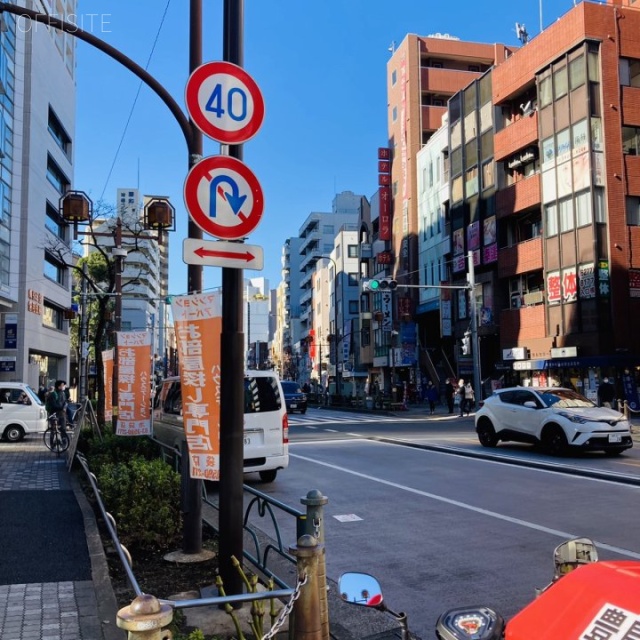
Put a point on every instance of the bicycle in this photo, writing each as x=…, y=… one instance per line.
x=55, y=439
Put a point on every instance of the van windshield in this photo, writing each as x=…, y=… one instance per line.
x=261, y=395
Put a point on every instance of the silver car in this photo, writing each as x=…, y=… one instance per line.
x=559, y=419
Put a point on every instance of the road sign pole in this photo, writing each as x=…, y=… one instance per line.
x=232, y=366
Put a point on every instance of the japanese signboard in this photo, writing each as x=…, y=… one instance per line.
x=554, y=287
x=384, y=232
x=387, y=311
x=107, y=368
x=198, y=324
x=569, y=285
x=587, y=280
x=134, y=383
x=634, y=283
x=10, y=330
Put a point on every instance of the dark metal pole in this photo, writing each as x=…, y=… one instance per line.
x=232, y=383
x=117, y=320
x=192, y=487
x=84, y=336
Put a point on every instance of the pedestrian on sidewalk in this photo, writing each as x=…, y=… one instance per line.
x=460, y=396
x=432, y=396
x=469, y=397
x=449, y=393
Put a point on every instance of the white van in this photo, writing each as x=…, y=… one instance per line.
x=266, y=427
x=21, y=411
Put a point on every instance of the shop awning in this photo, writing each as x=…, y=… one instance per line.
x=614, y=360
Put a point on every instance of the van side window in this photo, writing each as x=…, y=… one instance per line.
x=173, y=400
x=261, y=395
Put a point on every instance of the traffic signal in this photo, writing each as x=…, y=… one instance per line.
x=379, y=284
x=466, y=343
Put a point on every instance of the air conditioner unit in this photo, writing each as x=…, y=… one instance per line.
x=535, y=297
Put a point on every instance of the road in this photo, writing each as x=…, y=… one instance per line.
x=442, y=530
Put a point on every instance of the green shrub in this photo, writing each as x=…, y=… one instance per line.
x=114, y=449
x=144, y=498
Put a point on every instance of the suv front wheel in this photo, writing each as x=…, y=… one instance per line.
x=554, y=441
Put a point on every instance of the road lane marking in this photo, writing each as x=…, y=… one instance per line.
x=463, y=505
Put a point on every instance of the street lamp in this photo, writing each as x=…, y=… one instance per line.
x=336, y=340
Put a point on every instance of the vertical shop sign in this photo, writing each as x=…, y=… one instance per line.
x=198, y=325
x=10, y=330
x=134, y=383
x=384, y=232
x=603, y=278
x=107, y=368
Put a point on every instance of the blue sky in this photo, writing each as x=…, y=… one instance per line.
x=321, y=67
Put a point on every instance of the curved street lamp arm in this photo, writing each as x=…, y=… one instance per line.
x=135, y=68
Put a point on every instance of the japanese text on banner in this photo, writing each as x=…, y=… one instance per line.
x=134, y=383
x=198, y=324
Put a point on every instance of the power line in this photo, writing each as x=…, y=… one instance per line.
x=135, y=100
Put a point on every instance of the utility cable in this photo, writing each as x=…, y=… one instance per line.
x=135, y=100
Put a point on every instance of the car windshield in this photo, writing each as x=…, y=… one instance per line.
x=564, y=399
x=291, y=387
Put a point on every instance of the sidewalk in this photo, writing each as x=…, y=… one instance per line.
x=54, y=583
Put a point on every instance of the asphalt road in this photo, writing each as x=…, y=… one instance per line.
x=441, y=530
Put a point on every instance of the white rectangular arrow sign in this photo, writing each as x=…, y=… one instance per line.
x=235, y=255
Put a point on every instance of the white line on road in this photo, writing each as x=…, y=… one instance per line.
x=463, y=505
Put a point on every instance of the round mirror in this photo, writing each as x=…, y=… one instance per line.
x=360, y=588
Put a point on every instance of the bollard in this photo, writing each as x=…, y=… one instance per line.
x=314, y=522
x=626, y=410
x=144, y=618
x=307, y=619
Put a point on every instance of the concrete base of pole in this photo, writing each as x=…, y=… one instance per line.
x=180, y=557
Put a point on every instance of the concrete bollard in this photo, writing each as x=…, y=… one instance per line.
x=145, y=618
x=307, y=620
x=314, y=522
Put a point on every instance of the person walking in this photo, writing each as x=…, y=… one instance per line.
x=606, y=394
x=469, y=397
x=432, y=396
x=449, y=393
x=460, y=394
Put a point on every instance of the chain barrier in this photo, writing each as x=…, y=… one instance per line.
x=286, y=610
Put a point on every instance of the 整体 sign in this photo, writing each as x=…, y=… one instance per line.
x=224, y=102
x=234, y=255
x=223, y=197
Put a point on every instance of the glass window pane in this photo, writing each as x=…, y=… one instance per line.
x=583, y=209
x=551, y=215
x=599, y=205
x=560, y=84
x=577, y=72
x=565, y=208
x=629, y=141
x=544, y=91
x=594, y=66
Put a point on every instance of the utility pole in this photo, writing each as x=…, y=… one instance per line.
x=475, y=346
x=119, y=255
x=84, y=336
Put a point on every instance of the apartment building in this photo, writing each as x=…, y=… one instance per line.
x=37, y=121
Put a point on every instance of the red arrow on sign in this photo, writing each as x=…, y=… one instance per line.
x=208, y=253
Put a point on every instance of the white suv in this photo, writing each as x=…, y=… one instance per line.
x=266, y=426
x=557, y=418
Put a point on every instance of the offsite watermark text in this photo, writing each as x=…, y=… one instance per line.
x=91, y=22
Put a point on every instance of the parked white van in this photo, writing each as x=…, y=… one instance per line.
x=266, y=427
x=21, y=411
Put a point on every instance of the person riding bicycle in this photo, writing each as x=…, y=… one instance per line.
x=57, y=404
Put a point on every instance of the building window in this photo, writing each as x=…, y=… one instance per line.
x=54, y=223
x=328, y=229
x=53, y=269
x=629, y=72
x=631, y=141
x=353, y=308
x=544, y=91
x=354, y=279
x=58, y=132
x=394, y=114
x=56, y=176
x=471, y=182
x=565, y=208
x=600, y=205
x=584, y=213
x=474, y=67
x=577, y=72
x=633, y=211
x=352, y=251
x=52, y=317
x=551, y=219
x=394, y=77
x=560, y=82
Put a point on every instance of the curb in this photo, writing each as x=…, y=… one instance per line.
x=105, y=597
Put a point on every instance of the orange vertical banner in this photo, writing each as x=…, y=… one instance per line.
x=198, y=324
x=107, y=369
x=134, y=383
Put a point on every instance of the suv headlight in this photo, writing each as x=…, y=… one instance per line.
x=572, y=417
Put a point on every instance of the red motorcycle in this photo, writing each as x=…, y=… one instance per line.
x=586, y=600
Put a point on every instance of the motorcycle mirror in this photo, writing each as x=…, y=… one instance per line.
x=360, y=588
x=571, y=554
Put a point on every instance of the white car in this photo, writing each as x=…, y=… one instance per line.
x=559, y=419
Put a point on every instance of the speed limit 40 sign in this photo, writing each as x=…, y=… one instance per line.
x=224, y=102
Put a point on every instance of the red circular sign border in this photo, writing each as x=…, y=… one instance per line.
x=197, y=173
x=194, y=82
